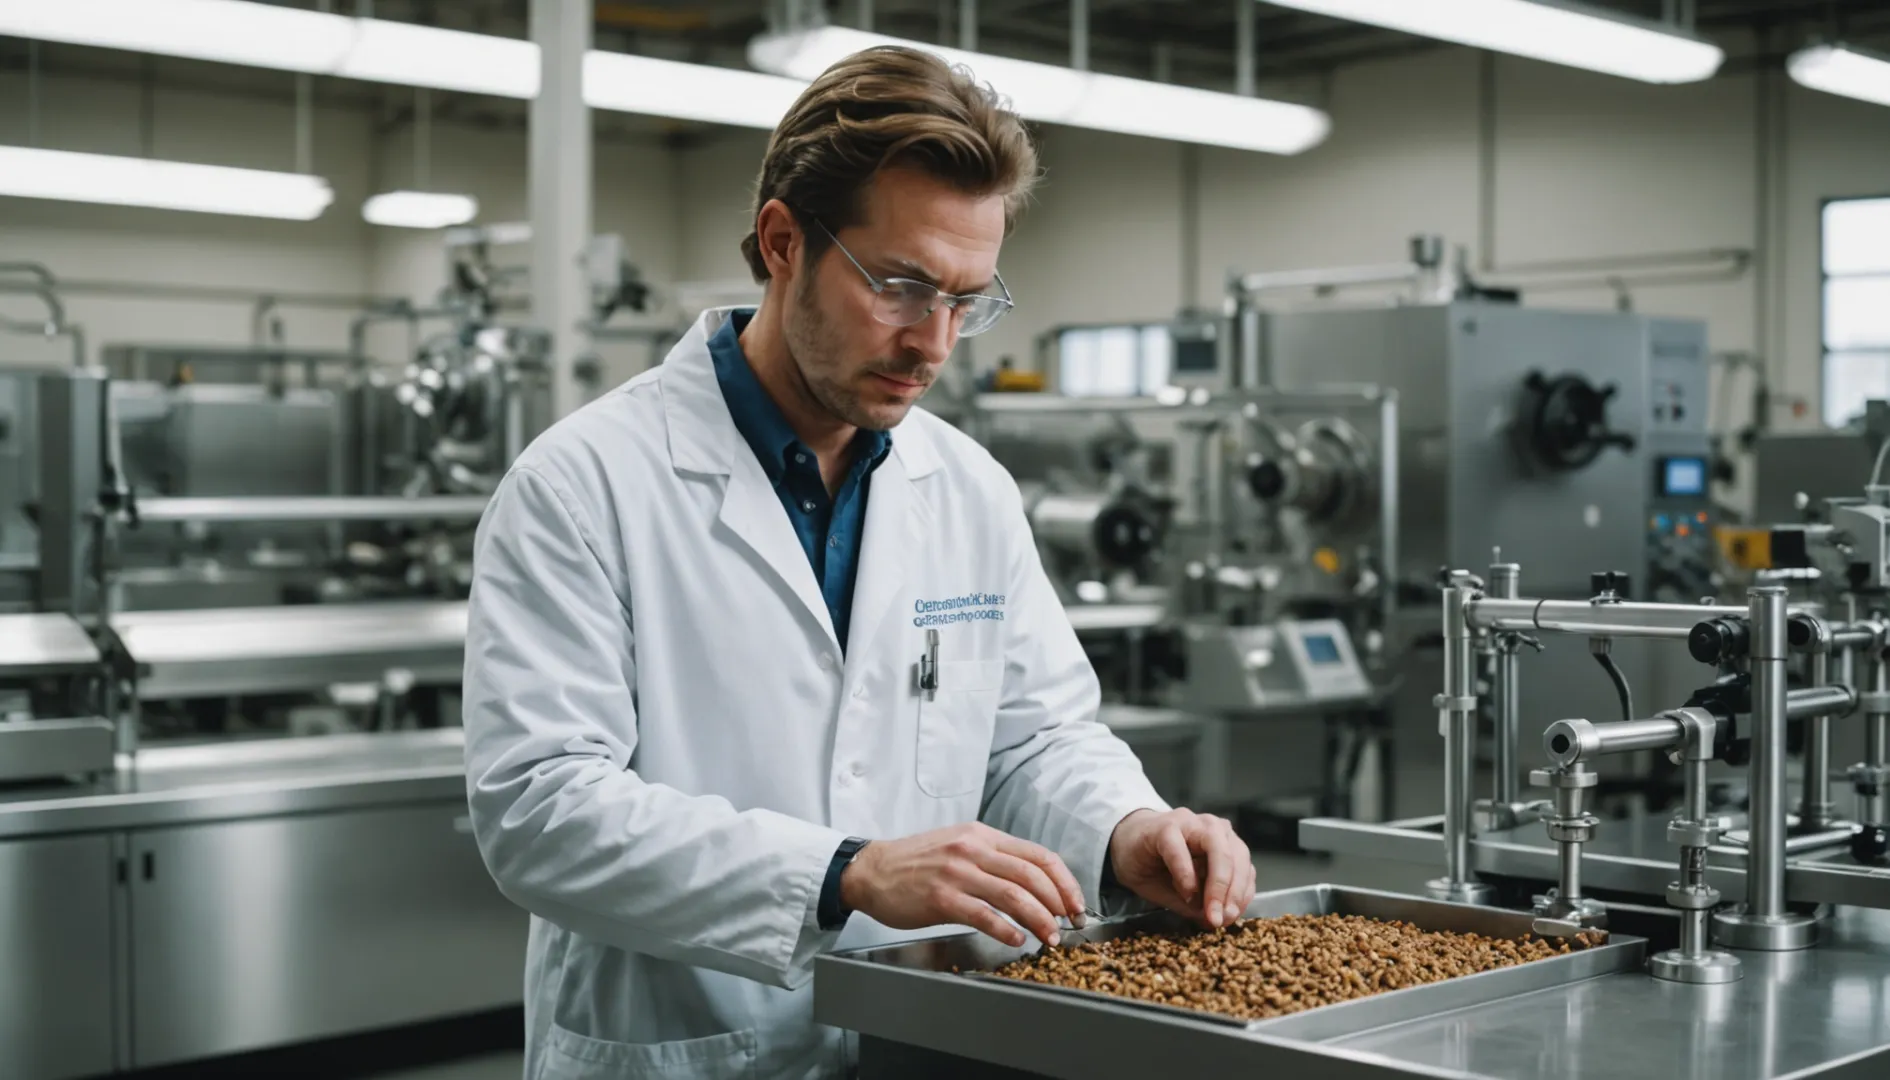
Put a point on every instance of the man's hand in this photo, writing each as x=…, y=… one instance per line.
x=1192, y=864
x=964, y=874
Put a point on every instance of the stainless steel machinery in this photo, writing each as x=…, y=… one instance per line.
x=1786, y=981
x=231, y=788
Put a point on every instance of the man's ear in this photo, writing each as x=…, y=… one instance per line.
x=779, y=238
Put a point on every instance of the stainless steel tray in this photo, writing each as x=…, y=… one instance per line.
x=968, y=959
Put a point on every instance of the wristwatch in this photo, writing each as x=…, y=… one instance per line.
x=830, y=913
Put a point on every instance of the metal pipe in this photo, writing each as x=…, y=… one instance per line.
x=1817, y=704
x=968, y=25
x=1817, y=808
x=1244, y=52
x=314, y=508
x=1328, y=277
x=1877, y=733
x=1505, y=688
x=1626, y=619
x=1457, y=708
x=1201, y=401
x=1569, y=861
x=1079, y=34
x=1765, y=887
x=1388, y=531
x=1572, y=741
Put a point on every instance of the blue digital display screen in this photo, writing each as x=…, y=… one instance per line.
x=1683, y=476
x=1321, y=648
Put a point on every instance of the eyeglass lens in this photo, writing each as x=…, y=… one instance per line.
x=903, y=303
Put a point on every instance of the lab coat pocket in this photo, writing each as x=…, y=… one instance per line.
x=955, y=725
x=570, y=1056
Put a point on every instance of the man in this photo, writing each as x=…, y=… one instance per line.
x=757, y=651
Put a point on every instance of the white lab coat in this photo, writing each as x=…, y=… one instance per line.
x=664, y=744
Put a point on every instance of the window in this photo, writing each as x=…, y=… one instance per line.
x=1856, y=331
x=1114, y=361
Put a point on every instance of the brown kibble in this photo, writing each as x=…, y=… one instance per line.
x=1261, y=968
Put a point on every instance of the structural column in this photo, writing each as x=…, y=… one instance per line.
x=560, y=195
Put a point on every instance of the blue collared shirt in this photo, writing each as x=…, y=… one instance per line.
x=829, y=527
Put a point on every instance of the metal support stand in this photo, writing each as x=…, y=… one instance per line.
x=1570, y=827
x=1869, y=777
x=1763, y=922
x=1695, y=831
x=1816, y=810
x=1457, y=713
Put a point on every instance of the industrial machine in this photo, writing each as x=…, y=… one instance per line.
x=1222, y=555
x=1746, y=945
x=229, y=685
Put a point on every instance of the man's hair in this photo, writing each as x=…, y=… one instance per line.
x=888, y=106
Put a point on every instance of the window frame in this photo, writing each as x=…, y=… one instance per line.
x=1825, y=351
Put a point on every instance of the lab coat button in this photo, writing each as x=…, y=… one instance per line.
x=859, y=769
x=860, y=690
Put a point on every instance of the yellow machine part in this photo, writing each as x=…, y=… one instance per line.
x=1747, y=549
x=1326, y=559
x=1007, y=381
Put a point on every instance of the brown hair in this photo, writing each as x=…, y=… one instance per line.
x=880, y=107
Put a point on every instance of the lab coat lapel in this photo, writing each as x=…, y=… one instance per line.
x=703, y=439
x=753, y=512
x=897, y=516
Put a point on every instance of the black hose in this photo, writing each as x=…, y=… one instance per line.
x=1620, y=684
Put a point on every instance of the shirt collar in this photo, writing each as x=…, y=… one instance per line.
x=759, y=419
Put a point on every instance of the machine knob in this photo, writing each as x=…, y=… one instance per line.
x=1609, y=582
x=1124, y=535
x=1565, y=421
x=1267, y=479
x=1716, y=641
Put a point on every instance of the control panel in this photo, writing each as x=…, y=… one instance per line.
x=1285, y=666
x=1680, y=516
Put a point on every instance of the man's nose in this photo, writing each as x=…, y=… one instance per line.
x=933, y=336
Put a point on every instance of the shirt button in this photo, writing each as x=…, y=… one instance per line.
x=807, y=505
x=833, y=541
x=800, y=459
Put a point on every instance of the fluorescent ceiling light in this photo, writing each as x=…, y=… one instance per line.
x=1558, y=31
x=1844, y=70
x=419, y=209
x=170, y=185
x=644, y=84
x=404, y=54
x=1062, y=95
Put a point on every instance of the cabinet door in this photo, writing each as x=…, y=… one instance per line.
x=249, y=934
x=56, y=957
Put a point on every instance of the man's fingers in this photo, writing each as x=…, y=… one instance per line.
x=1179, y=860
x=980, y=916
x=1049, y=862
x=1030, y=876
x=1017, y=902
x=1214, y=843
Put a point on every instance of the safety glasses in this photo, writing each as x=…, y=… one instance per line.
x=905, y=302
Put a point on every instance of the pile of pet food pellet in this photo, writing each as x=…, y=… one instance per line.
x=1262, y=968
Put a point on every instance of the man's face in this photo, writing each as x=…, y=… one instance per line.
x=859, y=369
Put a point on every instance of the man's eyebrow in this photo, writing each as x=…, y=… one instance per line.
x=913, y=269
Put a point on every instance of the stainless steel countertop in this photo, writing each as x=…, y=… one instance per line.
x=258, y=650
x=243, y=779
x=1793, y=1012
x=44, y=644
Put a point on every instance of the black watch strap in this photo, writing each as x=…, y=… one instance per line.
x=829, y=912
